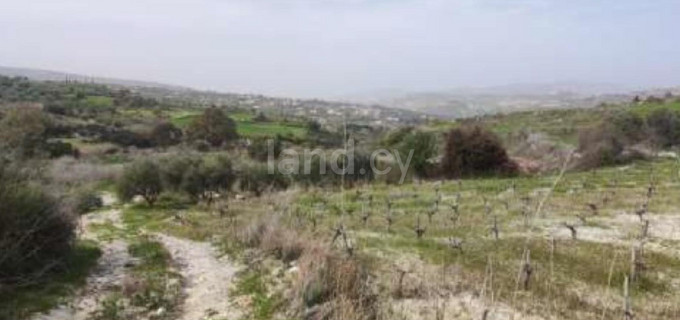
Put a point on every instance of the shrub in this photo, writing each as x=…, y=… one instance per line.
x=174, y=169
x=165, y=134
x=600, y=146
x=628, y=126
x=473, y=151
x=259, y=148
x=255, y=178
x=328, y=286
x=213, y=126
x=424, y=147
x=665, y=127
x=57, y=149
x=35, y=233
x=205, y=179
x=23, y=130
x=142, y=178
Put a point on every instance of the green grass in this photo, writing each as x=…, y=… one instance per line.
x=244, y=125
x=270, y=129
x=99, y=101
x=645, y=109
x=264, y=305
x=183, y=119
x=54, y=289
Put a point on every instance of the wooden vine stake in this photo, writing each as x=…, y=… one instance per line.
x=627, y=308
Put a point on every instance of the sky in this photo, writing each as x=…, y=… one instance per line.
x=332, y=48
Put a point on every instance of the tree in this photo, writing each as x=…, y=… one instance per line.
x=205, y=179
x=142, y=178
x=165, y=134
x=213, y=126
x=255, y=178
x=473, y=151
x=424, y=147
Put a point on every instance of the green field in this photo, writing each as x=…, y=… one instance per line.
x=245, y=126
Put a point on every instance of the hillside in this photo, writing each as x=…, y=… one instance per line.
x=156, y=203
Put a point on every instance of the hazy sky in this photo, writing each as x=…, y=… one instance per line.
x=333, y=47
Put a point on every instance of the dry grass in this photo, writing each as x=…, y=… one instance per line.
x=328, y=285
x=69, y=171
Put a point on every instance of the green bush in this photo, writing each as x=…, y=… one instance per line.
x=35, y=233
x=205, y=179
x=665, y=127
x=255, y=178
x=424, y=147
x=22, y=130
x=259, y=148
x=174, y=169
x=142, y=178
x=213, y=126
x=59, y=149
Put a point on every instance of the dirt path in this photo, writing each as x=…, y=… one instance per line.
x=108, y=274
x=208, y=279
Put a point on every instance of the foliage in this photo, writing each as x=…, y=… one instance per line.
x=259, y=148
x=213, y=126
x=141, y=178
x=35, y=233
x=56, y=149
x=472, y=150
x=23, y=130
x=205, y=179
x=165, y=134
x=255, y=178
x=174, y=169
x=424, y=147
x=665, y=127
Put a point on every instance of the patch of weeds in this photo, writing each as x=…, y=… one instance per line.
x=154, y=286
x=264, y=305
x=107, y=231
x=55, y=288
x=112, y=308
x=151, y=290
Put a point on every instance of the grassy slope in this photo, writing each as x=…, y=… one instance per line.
x=570, y=277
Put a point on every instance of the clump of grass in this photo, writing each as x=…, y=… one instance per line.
x=330, y=284
x=264, y=304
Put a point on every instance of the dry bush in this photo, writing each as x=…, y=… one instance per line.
x=611, y=141
x=270, y=237
x=472, y=150
x=328, y=285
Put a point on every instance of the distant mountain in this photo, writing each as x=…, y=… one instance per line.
x=331, y=112
x=468, y=102
x=48, y=75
